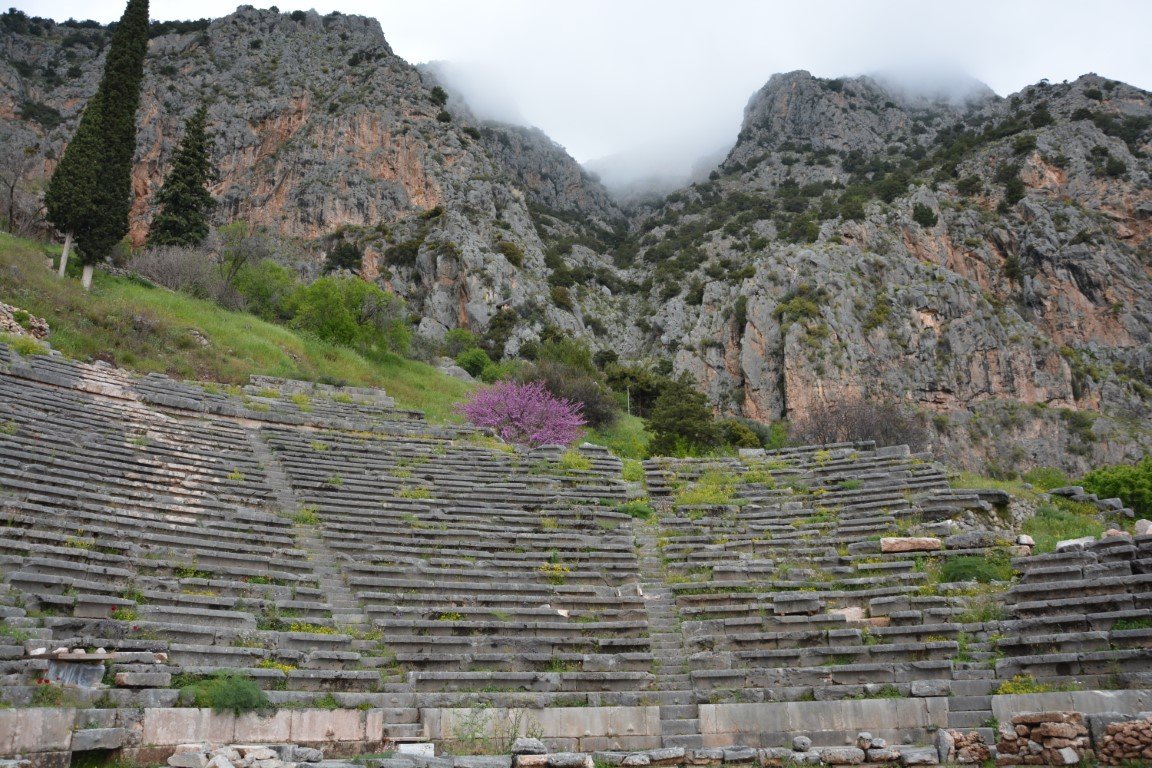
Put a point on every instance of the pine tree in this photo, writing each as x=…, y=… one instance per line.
x=184, y=199
x=89, y=195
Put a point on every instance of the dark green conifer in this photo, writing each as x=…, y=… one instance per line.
x=89, y=195
x=184, y=199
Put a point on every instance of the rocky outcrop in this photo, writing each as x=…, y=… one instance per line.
x=855, y=244
x=983, y=260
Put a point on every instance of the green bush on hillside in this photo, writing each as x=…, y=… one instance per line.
x=1131, y=483
x=353, y=313
x=226, y=692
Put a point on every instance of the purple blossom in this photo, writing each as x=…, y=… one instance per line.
x=526, y=414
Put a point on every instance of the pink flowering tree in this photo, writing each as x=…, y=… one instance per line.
x=525, y=414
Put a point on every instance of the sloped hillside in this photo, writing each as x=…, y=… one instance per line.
x=987, y=260
x=982, y=260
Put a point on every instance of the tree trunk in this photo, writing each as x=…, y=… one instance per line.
x=86, y=278
x=64, y=253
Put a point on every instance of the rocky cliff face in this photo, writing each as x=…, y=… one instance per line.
x=984, y=260
x=955, y=256
x=319, y=128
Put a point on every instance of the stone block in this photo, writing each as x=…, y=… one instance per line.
x=919, y=756
x=483, y=761
x=801, y=743
x=931, y=687
x=909, y=544
x=1075, y=545
x=842, y=755
x=884, y=755
x=189, y=760
x=36, y=730
x=569, y=760
x=143, y=679
x=528, y=746
x=99, y=738
x=735, y=755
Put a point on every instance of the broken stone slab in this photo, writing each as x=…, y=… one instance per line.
x=1075, y=545
x=667, y=756
x=704, y=756
x=842, y=755
x=483, y=761
x=734, y=755
x=919, y=756
x=99, y=738
x=528, y=746
x=885, y=755
x=909, y=544
x=569, y=760
x=1143, y=527
x=189, y=758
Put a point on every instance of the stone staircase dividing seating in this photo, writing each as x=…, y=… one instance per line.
x=785, y=594
x=134, y=528
x=327, y=544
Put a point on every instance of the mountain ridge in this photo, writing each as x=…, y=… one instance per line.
x=980, y=260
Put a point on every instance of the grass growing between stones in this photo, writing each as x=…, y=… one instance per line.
x=150, y=329
x=1062, y=519
x=972, y=480
x=626, y=437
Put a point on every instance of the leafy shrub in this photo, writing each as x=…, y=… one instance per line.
x=512, y=252
x=458, y=340
x=473, y=360
x=351, y=312
x=344, y=255
x=562, y=298
x=969, y=185
x=266, y=288
x=738, y=434
x=1132, y=483
x=924, y=215
x=1025, y=142
x=226, y=692
x=637, y=509
x=525, y=414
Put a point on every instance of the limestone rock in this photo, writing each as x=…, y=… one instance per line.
x=909, y=544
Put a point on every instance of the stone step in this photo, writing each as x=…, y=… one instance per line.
x=679, y=712
x=965, y=720
x=688, y=741
x=680, y=727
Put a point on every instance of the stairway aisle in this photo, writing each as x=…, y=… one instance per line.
x=679, y=715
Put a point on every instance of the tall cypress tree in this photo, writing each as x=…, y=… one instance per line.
x=89, y=195
x=184, y=199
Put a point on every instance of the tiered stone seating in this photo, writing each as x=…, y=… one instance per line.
x=485, y=571
x=325, y=543
x=785, y=593
x=1082, y=614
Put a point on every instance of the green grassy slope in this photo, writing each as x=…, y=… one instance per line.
x=151, y=329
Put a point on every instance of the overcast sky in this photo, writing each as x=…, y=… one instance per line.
x=604, y=77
